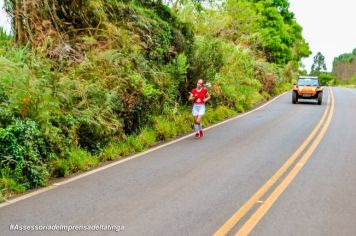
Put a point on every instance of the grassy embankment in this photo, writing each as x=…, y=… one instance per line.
x=329, y=79
x=113, y=81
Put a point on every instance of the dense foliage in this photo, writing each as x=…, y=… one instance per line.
x=345, y=57
x=344, y=67
x=327, y=79
x=85, y=81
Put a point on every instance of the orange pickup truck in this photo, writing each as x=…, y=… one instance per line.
x=307, y=87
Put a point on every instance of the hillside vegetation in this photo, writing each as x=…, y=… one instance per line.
x=344, y=67
x=86, y=81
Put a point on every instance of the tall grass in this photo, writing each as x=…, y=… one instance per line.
x=345, y=83
x=120, y=85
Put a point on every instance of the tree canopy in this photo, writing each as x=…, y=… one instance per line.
x=345, y=57
x=318, y=64
x=344, y=66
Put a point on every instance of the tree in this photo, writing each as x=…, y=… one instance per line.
x=302, y=70
x=318, y=64
x=345, y=57
x=279, y=35
x=177, y=4
x=283, y=8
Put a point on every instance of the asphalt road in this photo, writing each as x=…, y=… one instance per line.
x=193, y=187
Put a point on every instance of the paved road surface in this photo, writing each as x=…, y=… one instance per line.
x=193, y=187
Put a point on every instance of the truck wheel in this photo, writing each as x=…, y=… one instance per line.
x=320, y=98
x=294, y=97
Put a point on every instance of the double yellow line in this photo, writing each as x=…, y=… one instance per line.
x=311, y=142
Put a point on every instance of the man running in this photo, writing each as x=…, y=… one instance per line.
x=200, y=95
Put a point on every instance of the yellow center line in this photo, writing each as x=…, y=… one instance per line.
x=262, y=210
x=236, y=217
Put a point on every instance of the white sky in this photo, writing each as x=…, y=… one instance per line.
x=3, y=20
x=328, y=27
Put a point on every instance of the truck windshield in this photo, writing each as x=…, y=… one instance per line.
x=308, y=82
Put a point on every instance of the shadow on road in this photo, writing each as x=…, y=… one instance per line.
x=307, y=103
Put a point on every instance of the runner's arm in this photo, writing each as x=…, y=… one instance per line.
x=207, y=97
x=191, y=96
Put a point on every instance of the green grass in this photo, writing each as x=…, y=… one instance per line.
x=132, y=144
x=346, y=83
x=61, y=167
x=81, y=160
x=282, y=87
x=218, y=114
x=165, y=128
x=147, y=137
x=266, y=96
x=183, y=119
x=8, y=184
x=111, y=152
x=2, y=198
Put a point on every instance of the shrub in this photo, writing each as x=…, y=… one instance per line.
x=218, y=114
x=81, y=160
x=282, y=87
x=8, y=184
x=353, y=80
x=207, y=59
x=2, y=198
x=147, y=137
x=266, y=96
x=124, y=149
x=165, y=129
x=183, y=120
x=326, y=79
x=61, y=168
x=128, y=146
x=134, y=143
x=25, y=151
x=264, y=72
x=111, y=152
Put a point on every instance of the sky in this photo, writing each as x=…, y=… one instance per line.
x=4, y=23
x=328, y=26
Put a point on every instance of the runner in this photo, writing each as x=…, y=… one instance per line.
x=200, y=95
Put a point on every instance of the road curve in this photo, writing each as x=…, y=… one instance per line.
x=193, y=187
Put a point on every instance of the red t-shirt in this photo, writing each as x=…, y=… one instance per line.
x=199, y=95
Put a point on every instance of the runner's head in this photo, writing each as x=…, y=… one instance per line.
x=200, y=83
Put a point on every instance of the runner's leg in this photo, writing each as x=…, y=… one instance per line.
x=196, y=124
